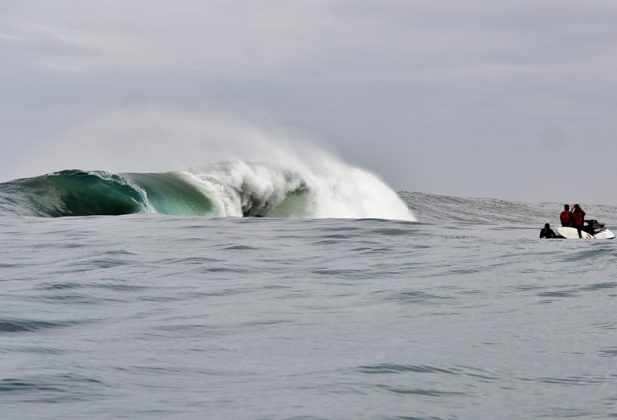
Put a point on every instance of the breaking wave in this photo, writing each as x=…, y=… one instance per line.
x=235, y=188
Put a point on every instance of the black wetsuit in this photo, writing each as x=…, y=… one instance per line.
x=547, y=233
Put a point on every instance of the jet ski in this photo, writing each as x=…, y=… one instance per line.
x=591, y=230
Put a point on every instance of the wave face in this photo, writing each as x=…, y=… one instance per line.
x=71, y=193
x=439, y=209
x=237, y=188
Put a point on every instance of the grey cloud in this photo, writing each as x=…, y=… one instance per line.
x=470, y=98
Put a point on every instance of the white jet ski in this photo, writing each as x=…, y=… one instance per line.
x=591, y=230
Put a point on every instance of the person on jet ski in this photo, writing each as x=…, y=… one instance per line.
x=578, y=218
x=565, y=216
x=547, y=232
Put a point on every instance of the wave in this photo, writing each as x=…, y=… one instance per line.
x=251, y=189
x=236, y=188
x=71, y=193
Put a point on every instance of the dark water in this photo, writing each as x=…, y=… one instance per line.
x=464, y=315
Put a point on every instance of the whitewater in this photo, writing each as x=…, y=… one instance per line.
x=254, y=290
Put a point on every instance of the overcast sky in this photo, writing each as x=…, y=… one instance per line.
x=483, y=98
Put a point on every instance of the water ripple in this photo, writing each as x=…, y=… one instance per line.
x=599, y=286
x=393, y=368
x=413, y=296
x=53, y=388
x=421, y=391
x=389, y=368
x=28, y=325
x=612, y=352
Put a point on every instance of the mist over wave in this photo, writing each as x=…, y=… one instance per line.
x=327, y=189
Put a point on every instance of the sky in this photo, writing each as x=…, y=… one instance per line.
x=480, y=98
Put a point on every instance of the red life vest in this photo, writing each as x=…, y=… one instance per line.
x=566, y=218
x=578, y=218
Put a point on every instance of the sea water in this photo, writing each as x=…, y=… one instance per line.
x=463, y=314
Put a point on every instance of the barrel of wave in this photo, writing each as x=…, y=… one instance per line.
x=98, y=193
x=71, y=193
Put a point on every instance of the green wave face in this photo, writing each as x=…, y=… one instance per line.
x=80, y=193
x=72, y=193
x=171, y=193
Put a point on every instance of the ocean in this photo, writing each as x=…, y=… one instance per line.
x=264, y=294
